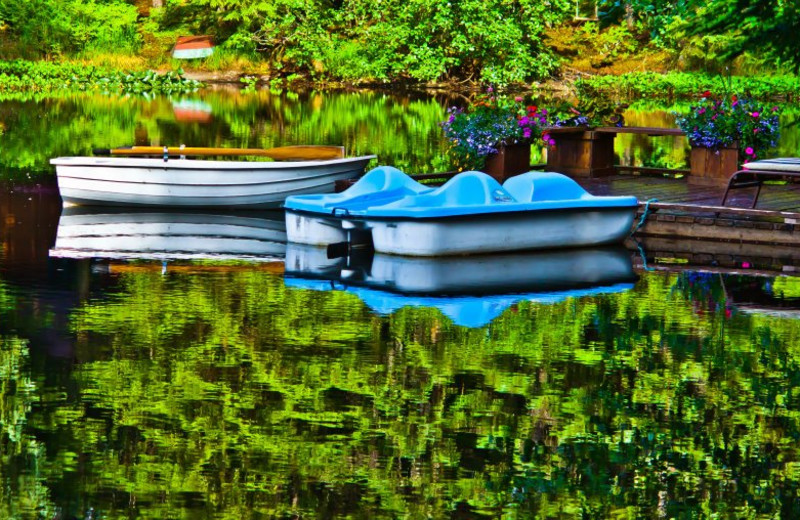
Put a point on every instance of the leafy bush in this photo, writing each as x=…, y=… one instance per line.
x=686, y=85
x=43, y=76
x=54, y=27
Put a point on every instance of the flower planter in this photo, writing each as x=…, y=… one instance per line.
x=510, y=160
x=581, y=153
x=713, y=167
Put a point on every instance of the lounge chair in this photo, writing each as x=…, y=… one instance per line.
x=756, y=172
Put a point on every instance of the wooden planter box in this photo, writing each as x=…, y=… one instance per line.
x=582, y=153
x=509, y=161
x=713, y=167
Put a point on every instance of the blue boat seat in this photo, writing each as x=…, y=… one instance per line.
x=379, y=186
x=541, y=186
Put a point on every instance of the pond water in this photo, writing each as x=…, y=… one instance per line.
x=247, y=385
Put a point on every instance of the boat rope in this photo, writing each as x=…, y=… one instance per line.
x=644, y=216
x=643, y=256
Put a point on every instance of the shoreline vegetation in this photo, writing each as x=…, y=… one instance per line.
x=633, y=49
x=23, y=78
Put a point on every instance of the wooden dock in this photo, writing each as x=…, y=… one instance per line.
x=684, y=225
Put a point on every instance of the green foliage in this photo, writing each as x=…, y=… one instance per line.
x=678, y=85
x=712, y=33
x=46, y=76
x=769, y=28
x=359, y=40
x=653, y=17
x=54, y=27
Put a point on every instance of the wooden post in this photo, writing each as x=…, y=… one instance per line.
x=582, y=153
x=713, y=167
x=511, y=160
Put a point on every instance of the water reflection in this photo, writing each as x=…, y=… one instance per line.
x=98, y=232
x=192, y=111
x=217, y=390
x=470, y=290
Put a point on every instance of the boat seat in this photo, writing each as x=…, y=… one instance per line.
x=470, y=188
x=540, y=186
x=380, y=185
x=753, y=174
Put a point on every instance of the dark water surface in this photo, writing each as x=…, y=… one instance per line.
x=138, y=380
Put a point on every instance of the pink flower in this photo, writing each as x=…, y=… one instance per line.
x=551, y=142
x=518, y=99
x=755, y=114
x=749, y=150
x=774, y=109
x=702, y=111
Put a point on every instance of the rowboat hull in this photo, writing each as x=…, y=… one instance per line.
x=189, y=183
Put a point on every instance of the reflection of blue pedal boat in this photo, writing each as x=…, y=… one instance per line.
x=471, y=213
x=470, y=290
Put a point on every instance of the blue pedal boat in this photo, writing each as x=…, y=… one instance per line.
x=470, y=214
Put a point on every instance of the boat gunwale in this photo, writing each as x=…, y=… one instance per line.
x=198, y=164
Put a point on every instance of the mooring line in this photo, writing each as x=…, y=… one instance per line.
x=645, y=213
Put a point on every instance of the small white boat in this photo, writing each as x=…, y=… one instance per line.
x=470, y=290
x=197, y=183
x=90, y=232
x=472, y=213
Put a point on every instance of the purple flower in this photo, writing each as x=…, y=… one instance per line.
x=749, y=150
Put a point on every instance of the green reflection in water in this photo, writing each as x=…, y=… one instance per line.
x=230, y=395
x=402, y=129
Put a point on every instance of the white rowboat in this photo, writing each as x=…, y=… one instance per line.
x=196, y=183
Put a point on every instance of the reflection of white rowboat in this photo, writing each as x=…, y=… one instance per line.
x=470, y=290
x=187, y=183
x=169, y=235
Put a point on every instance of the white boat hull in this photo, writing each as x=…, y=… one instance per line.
x=464, y=235
x=188, y=183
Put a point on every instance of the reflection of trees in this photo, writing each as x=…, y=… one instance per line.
x=402, y=131
x=401, y=128
x=24, y=492
x=230, y=393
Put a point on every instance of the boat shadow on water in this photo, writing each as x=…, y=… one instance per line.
x=470, y=290
x=116, y=233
